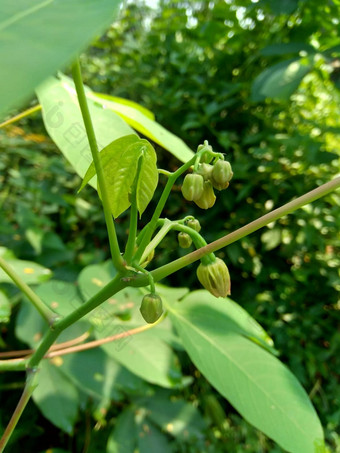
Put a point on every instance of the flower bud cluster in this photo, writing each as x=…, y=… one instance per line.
x=199, y=186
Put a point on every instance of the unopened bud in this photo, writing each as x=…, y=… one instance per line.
x=205, y=170
x=151, y=308
x=194, y=224
x=192, y=187
x=215, y=278
x=207, y=199
x=184, y=240
x=221, y=174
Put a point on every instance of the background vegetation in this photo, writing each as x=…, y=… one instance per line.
x=218, y=71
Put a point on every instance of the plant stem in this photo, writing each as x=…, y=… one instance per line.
x=174, y=266
x=111, y=288
x=150, y=227
x=114, y=246
x=43, y=309
x=166, y=227
x=13, y=365
x=21, y=115
x=26, y=395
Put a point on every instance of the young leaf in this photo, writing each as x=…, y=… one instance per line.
x=257, y=384
x=56, y=396
x=38, y=38
x=148, y=177
x=119, y=160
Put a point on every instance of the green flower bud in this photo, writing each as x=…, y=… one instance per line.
x=207, y=199
x=194, y=224
x=221, y=174
x=192, y=187
x=184, y=240
x=215, y=278
x=151, y=308
x=205, y=170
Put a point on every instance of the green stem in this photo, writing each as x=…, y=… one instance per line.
x=166, y=227
x=13, y=365
x=174, y=266
x=21, y=115
x=45, y=312
x=131, y=242
x=114, y=246
x=197, y=239
x=148, y=274
x=111, y=288
x=150, y=227
x=26, y=395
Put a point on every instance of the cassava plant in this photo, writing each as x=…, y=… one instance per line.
x=228, y=347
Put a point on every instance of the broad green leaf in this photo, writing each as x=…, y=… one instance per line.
x=119, y=161
x=64, y=123
x=97, y=374
x=123, y=439
x=151, y=440
x=247, y=325
x=280, y=80
x=255, y=382
x=56, y=396
x=126, y=102
x=38, y=38
x=146, y=125
x=179, y=418
x=60, y=297
x=30, y=272
x=144, y=355
x=5, y=308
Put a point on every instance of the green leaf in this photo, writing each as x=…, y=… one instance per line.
x=38, y=38
x=64, y=123
x=30, y=272
x=144, y=354
x=151, y=440
x=179, y=418
x=280, y=80
x=60, y=297
x=148, y=177
x=119, y=161
x=97, y=374
x=257, y=384
x=146, y=125
x=56, y=396
x=5, y=307
x=123, y=439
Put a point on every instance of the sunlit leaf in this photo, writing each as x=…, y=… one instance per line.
x=38, y=38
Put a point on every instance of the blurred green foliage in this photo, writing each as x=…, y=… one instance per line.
x=198, y=67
